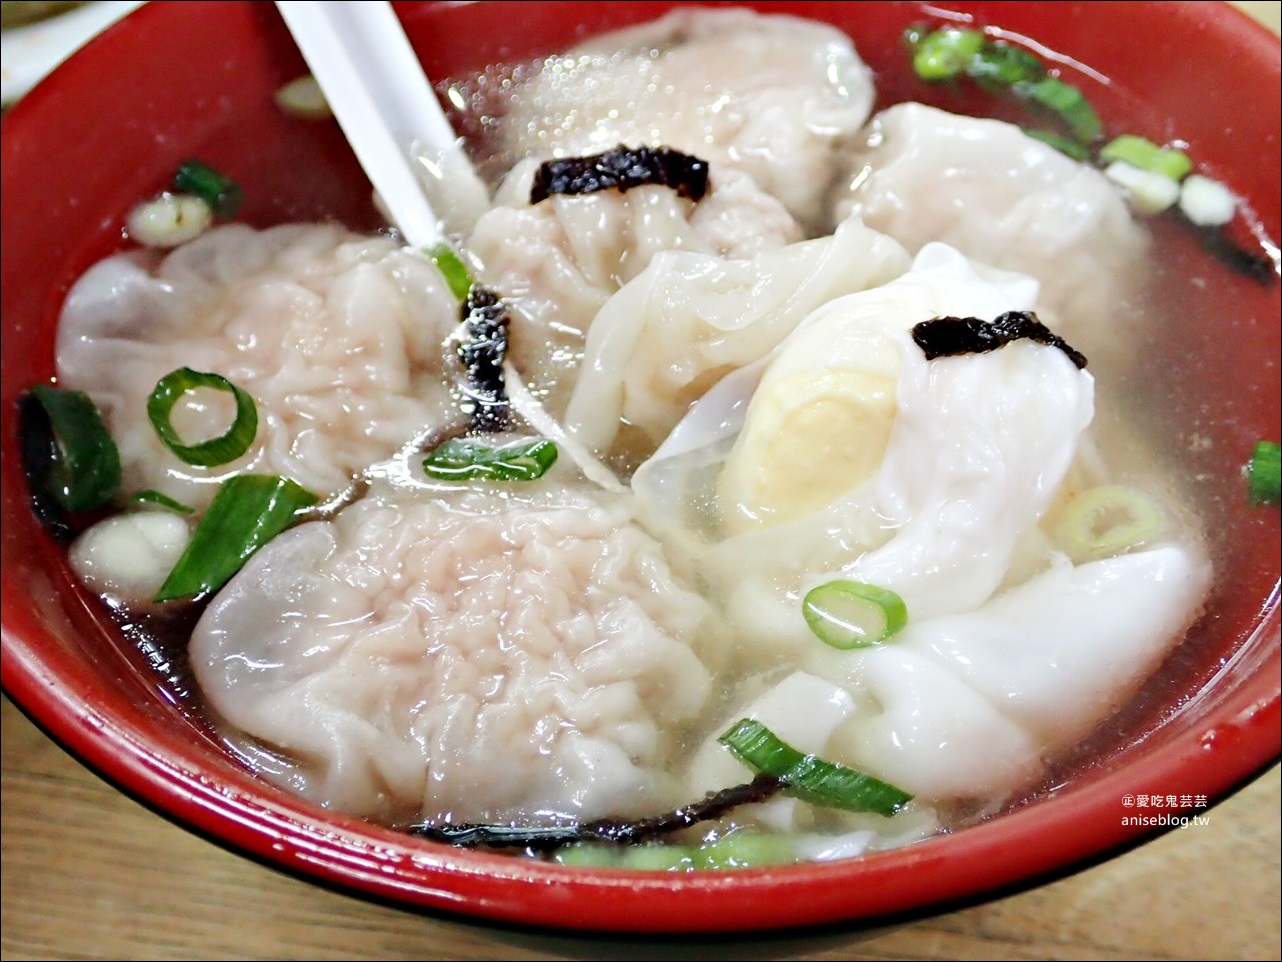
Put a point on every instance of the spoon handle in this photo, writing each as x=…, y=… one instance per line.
x=376, y=87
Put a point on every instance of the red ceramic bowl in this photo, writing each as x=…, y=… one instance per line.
x=178, y=80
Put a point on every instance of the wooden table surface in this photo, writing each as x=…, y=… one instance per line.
x=87, y=873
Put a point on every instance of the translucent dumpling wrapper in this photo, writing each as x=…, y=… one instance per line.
x=827, y=705
x=805, y=711
x=846, y=454
x=968, y=707
x=925, y=477
x=468, y=654
x=692, y=318
x=557, y=262
x=774, y=96
x=337, y=337
x=1003, y=198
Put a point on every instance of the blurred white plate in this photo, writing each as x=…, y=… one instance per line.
x=31, y=51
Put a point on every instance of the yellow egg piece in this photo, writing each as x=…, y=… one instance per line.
x=806, y=441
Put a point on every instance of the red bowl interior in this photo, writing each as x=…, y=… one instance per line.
x=182, y=80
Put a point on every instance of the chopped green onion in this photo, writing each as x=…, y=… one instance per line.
x=169, y=220
x=809, y=778
x=1147, y=193
x=652, y=857
x=1206, y=202
x=248, y=511
x=592, y=855
x=453, y=269
x=655, y=857
x=38, y=451
x=464, y=460
x=1108, y=520
x=1146, y=155
x=1146, y=173
x=946, y=53
x=158, y=498
x=851, y=614
x=744, y=849
x=217, y=190
x=84, y=468
x=1068, y=103
x=220, y=450
x=1065, y=145
x=737, y=849
x=1001, y=65
x=1263, y=473
x=659, y=858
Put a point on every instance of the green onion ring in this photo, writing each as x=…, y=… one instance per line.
x=215, y=451
x=809, y=778
x=851, y=614
x=1108, y=520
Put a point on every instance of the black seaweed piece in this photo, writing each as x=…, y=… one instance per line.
x=1253, y=264
x=948, y=336
x=482, y=348
x=622, y=169
x=545, y=838
x=38, y=448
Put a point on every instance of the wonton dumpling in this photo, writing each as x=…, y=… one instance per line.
x=337, y=337
x=692, y=318
x=1003, y=198
x=774, y=96
x=557, y=262
x=471, y=654
x=929, y=481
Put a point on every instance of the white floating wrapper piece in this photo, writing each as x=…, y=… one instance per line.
x=528, y=406
x=826, y=705
x=805, y=711
x=375, y=85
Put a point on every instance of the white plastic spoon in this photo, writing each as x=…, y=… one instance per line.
x=375, y=86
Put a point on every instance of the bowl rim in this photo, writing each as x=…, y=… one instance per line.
x=32, y=50
x=1022, y=847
